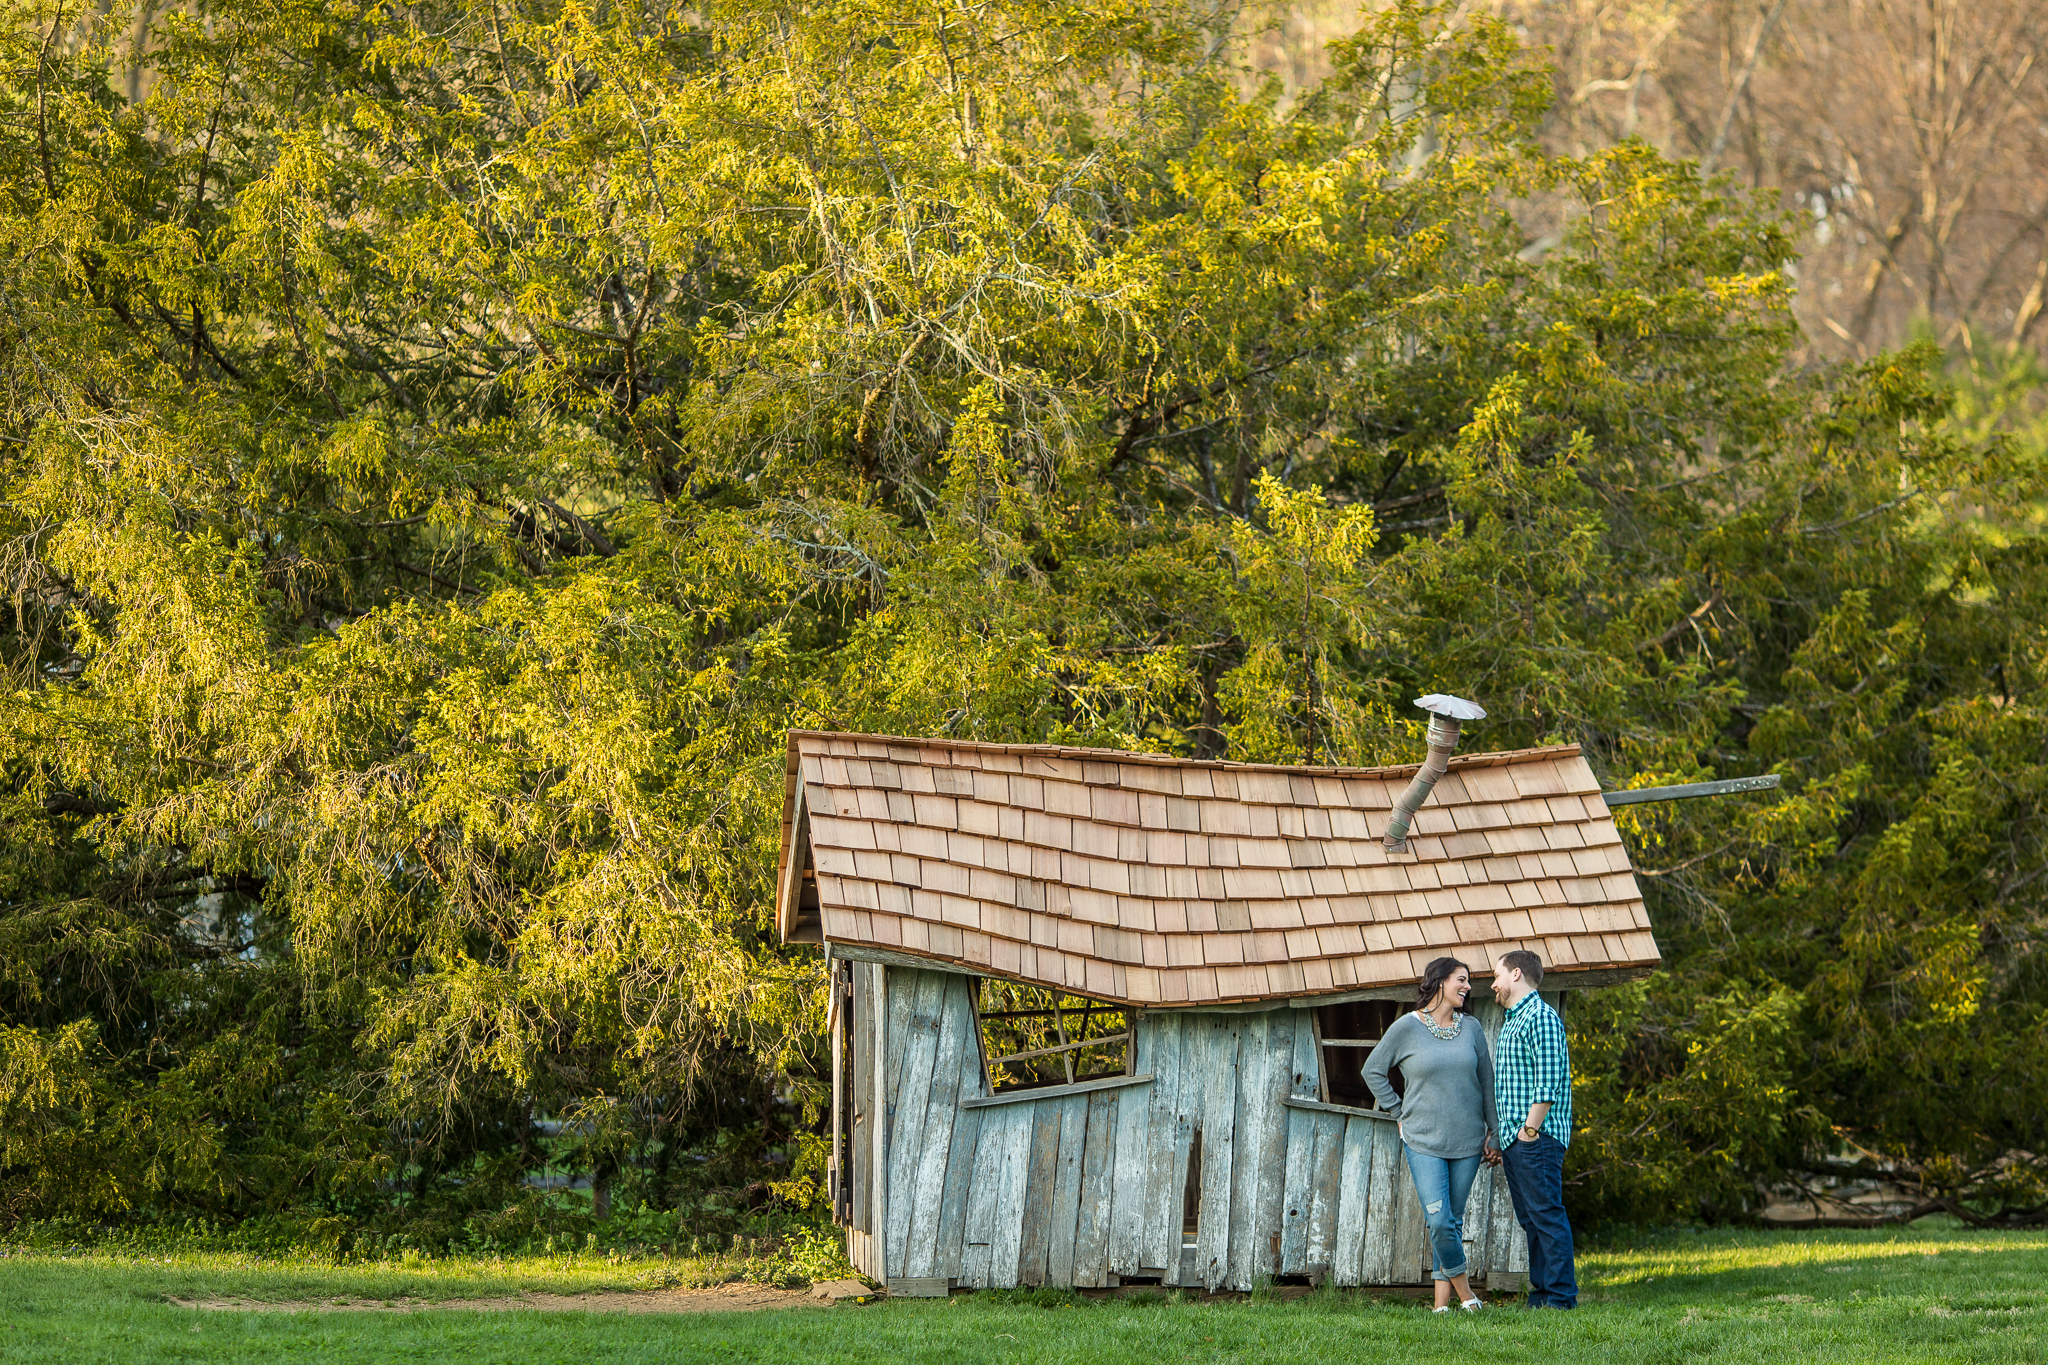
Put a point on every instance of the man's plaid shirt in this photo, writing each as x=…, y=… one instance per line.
x=1531, y=1064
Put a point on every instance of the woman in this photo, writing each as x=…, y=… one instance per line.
x=1446, y=1116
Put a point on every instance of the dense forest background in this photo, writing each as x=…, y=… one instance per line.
x=446, y=445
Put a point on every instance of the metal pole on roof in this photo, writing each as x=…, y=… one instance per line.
x=1686, y=790
x=1445, y=713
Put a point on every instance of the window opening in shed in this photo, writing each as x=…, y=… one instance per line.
x=1034, y=1036
x=1348, y=1033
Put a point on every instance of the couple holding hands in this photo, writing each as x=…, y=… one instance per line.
x=1458, y=1093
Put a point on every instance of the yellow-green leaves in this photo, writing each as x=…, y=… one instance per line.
x=1306, y=596
x=445, y=447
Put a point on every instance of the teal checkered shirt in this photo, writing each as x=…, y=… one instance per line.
x=1532, y=1064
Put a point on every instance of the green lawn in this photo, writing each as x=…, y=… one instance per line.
x=1911, y=1295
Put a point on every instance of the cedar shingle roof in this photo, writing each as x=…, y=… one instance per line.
x=1161, y=881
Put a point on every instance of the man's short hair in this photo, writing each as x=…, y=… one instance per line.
x=1525, y=962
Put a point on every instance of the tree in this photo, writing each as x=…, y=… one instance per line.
x=447, y=446
x=1906, y=134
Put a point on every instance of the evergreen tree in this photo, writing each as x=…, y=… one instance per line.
x=445, y=447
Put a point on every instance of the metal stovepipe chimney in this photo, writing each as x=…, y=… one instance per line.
x=1445, y=714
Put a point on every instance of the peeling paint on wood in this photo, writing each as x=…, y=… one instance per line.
x=1088, y=1188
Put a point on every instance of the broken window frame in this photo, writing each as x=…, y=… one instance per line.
x=1328, y=1044
x=1062, y=1008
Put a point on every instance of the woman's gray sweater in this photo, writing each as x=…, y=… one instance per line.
x=1448, y=1108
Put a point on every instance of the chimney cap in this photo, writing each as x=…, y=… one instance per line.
x=1455, y=707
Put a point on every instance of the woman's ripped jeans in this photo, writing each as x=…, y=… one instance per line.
x=1444, y=1184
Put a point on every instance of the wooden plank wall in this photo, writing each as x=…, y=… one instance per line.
x=1090, y=1189
x=867, y=989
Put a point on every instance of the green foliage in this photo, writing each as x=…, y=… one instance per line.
x=1305, y=589
x=1688, y=1096
x=445, y=446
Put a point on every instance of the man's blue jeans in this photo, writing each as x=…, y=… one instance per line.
x=1444, y=1184
x=1536, y=1184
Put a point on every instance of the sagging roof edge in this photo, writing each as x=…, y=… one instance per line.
x=1473, y=760
x=1559, y=979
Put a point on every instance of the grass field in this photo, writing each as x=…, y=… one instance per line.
x=1910, y=1295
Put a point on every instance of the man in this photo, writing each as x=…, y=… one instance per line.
x=1533, y=1095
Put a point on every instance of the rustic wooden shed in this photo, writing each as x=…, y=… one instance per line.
x=1202, y=953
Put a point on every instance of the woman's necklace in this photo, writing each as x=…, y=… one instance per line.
x=1457, y=1022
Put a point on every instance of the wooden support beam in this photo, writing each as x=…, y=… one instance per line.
x=1053, y=1092
x=878, y=1206
x=836, y=1169
x=1323, y=1107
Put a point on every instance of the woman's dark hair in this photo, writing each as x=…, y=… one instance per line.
x=1433, y=977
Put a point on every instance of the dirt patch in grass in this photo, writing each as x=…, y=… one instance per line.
x=724, y=1298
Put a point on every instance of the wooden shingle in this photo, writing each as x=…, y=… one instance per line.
x=1166, y=882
